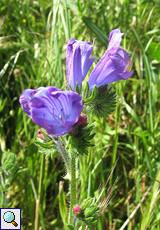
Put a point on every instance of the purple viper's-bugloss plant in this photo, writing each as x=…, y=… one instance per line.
x=112, y=66
x=59, y=112
x=54, y=110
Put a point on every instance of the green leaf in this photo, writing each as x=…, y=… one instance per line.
x=153, y=32
x=70, y=227
x=62, y=204
x=148, y=157
x=99, y=34
x=154, y=51
x=10, y=165
x=3, y=103
x=47, y=145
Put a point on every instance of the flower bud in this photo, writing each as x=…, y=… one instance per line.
x=89, y=212
x=73, y=131
x=82, y=120
x=16, y=72
x=12, y=113
x=40, y=134
x=76, y=210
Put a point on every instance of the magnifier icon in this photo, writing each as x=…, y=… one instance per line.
x=9, y=217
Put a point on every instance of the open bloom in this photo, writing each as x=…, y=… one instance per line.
x=52, y=109
x=111, y=67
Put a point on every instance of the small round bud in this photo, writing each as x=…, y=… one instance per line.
x=12, y=113
x=76, y=210
x=40, y=134
x=82, y=120
x=16, y=72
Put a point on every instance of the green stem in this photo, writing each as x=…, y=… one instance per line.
x=36, y=198
x=72, y=187
x=39, y=193
x=115, y=143
x=64, y=155
x=2, y=192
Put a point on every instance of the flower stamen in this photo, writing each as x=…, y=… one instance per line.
x=54, y=115
x=46, y=122
x=63, y=114
x=60, y=116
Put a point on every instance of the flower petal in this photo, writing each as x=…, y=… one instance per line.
x=115, y=38
x=59, y=131
x=25, y=98
x=52, y=109
x=113, y=65
x=78, y=61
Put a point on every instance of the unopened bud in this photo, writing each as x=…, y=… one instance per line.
x=73, y=131
x=76, y=210
x=40, y=134
x=82, y=120
x=16, y=72
x=12, y=113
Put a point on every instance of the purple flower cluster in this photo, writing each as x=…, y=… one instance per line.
x=57, y=111
x=112, y=66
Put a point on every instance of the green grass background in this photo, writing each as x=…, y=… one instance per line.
x=131, y=134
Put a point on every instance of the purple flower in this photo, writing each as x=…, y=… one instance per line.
x=111, y=67
x=52, y=109
x=78, y=61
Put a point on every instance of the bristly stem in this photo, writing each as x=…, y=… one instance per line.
x=64, y=155
x=70, y=162
x=72, y=187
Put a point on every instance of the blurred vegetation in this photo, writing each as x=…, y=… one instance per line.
x=33, y=41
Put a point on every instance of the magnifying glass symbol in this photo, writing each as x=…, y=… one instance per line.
x=9, y=217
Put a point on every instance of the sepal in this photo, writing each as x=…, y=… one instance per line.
x=80, y=138
x=104, y=103
x=93, y=95
x=70, y=227
x=46, y=143
x=70, y=88
x=77, y=90
x=90, y=212
x=85, y=91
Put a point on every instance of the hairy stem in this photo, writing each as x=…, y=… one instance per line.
x=64, y=155
x=72, y=187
